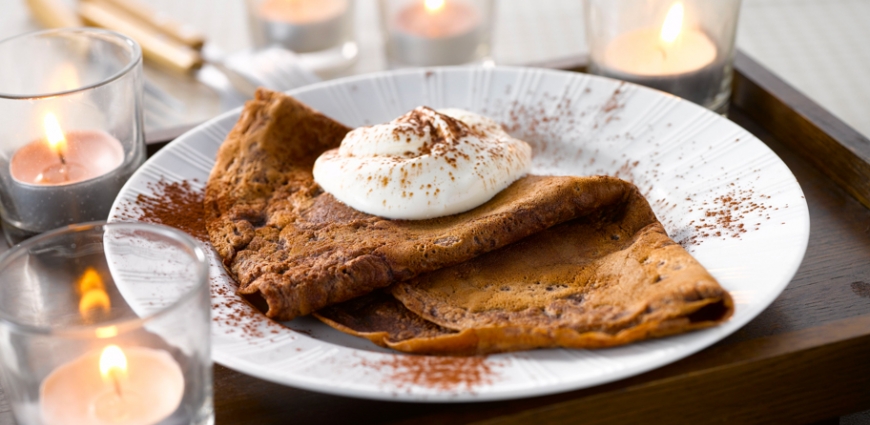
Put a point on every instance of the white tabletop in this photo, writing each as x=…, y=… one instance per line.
x=821, y=47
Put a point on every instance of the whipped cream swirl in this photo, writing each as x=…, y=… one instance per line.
x=423, y=164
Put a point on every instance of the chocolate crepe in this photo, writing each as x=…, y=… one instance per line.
x=280, y=235
x=609, y=278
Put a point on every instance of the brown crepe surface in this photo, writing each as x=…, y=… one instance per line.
x=606, y=279
x=281, y=236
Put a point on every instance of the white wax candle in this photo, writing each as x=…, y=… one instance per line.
x=64, y=178
x=305, y=25
x=678, y=60
x=78, y=393
x=642, y=52
x=87, y=154
x=436, y=32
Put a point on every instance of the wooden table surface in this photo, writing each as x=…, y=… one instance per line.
x=804, y=359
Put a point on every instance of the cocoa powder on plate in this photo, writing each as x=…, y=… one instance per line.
x=436, y=372
x=180, y=205
x=174, y=204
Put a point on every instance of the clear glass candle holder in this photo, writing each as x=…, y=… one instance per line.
x=70, y=126
x=320, y=32
x=683, y=47
x=106, y=323
x=436, y=32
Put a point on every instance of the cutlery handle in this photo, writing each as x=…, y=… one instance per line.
x=53, y=14
x=155, y=47
x=160, y=22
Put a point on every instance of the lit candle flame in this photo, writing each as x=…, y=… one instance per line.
x=90, y=281
x=53, y=133
x=113, y=366
x=112, y=361
x=94, y=298
x=433, y=5
x=673, y=24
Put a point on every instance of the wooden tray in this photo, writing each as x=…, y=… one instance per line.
x=804, y=359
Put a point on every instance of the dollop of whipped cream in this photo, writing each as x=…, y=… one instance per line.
x=423, y=164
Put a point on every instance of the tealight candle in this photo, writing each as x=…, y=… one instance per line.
x=436, y=32
x=69, y=158
x=106, y=324
x=677, y=55
x=305, y=25
x=65, y=177
x=678, y=60
x=134, y=386
x=666, y=52
x=71, y=130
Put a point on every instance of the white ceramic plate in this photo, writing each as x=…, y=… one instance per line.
x=718, y=190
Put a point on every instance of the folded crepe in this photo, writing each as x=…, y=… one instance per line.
x=605, y=279
x=280, y=235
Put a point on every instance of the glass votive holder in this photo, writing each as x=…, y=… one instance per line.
x=436, y=32
x=320, y=32
x=106, y=323
x=70, y=126
x=683, y=47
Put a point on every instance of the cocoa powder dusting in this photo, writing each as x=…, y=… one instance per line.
x=180, y=205
x=440, y=373
x=237, y=315
x=174, y=204
x=726, y=214
x=729, y=215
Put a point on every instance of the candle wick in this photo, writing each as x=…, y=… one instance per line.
x=63, y=168
x=664, y=52
x=116, y=382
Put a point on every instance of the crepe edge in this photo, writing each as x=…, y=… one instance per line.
x=499, y=339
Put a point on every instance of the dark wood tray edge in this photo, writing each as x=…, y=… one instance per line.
x=831, y=145
x=774, y=371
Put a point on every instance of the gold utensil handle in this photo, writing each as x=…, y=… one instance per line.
x=160, y=22
x=53, y=14
x=156, y=47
